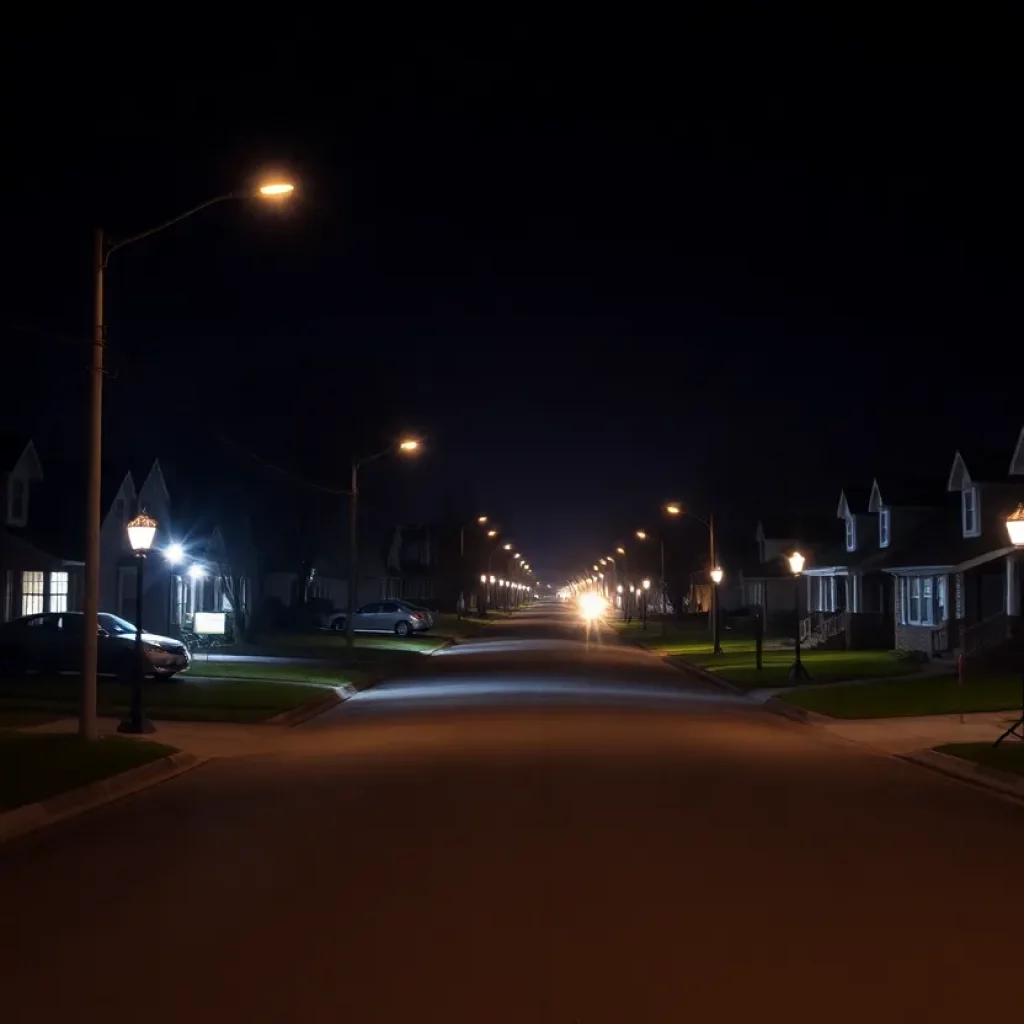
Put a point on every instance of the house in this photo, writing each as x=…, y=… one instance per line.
x=766, y=581
x=40, y=565
x=957, y=582
x=849, y=597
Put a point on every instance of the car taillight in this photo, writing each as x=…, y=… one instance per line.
x=417, y=615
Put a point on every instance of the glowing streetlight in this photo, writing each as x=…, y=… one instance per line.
x=492, y=533
x=483, y=579
x=797, y=672
x=410, y=444
x=647, y=584
x=507, y=547
x=621, y=551
x=673, y=509
x=175, y=554
x=276, y=188
x=141, y=533
x=196, y=572
x=716, y=575
x=481, y=520
x=1015, y=526
x=641, y=534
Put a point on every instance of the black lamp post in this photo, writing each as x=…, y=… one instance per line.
x=716, y=578
x=1015, y=528
x=647, y=587
x=797, y=672
x=141, y=532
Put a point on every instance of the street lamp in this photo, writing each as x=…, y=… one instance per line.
x=103, y=249
x=716, y=578
x=405, y=446
x=141, y=533
x=642, y=535
x=1015, y=529
x=797, y=672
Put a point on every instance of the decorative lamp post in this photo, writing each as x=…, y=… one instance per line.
x=141, y=534
x=647, y=587
x=797, y=672
x=717, y=575
x=1015, y=528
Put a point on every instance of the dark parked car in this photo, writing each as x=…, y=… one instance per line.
x=398, y=617
x=53, y=643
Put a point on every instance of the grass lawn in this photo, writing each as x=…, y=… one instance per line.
x=229, y=701
x=328, y=643
x=34, y=767
x=929, y=695
x=323, y=672
x=1008, y=756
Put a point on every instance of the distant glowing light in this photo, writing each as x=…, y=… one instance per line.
x=673, y=509
x=196, y=572
x=717, y=574
x=796, y=563
x=276, y=188
x=409, y=445
x=592, y=606
x=175, y=554
x=641, y=534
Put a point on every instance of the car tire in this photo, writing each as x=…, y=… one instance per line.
x=402, y=629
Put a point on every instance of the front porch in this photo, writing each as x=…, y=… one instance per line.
x=847, y=609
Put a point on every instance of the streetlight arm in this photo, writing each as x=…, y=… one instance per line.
x=359, y=463
x=110, y=249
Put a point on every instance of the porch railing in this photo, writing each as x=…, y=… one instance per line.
x=805, y=628
x=833, y=625
x=984, y=635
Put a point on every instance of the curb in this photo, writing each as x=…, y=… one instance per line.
x=708, y=677
x=450, y=642
x=31, y=817
x=304, y=712
x=973, y=774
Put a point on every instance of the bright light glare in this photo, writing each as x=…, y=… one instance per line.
x=276, y=188
x=175, y=554
x=796, y=563
x=197, y=572
x=409, y=445
x=592, y=606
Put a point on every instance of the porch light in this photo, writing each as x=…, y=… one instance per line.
x=716, y=575
x=647, y=584
x=196, y=572
x=1015, y=526
x=141, y=531
x=175, y=554
x=483, y=579
x=796, y=563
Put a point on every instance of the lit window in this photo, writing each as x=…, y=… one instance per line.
x=883, y=527
x=32, y=588
x=970, y=510
x=917, y=600
x=58, y=592
x=851, y=533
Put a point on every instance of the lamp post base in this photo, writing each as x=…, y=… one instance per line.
x=797, y=673
x=136, y=725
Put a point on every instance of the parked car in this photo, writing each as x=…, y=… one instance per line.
x=53, y=643
x=397, y=617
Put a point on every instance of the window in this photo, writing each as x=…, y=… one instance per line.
x=58, y=592
x=32, y=588
x=969, y=501
x=916, y=600
x=942, y=598
x=883, y=527
x=851, y=533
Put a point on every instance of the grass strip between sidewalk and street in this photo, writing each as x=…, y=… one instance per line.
x=1007, y=757
x=930, y=695
x=37, y=766
x=229, y=701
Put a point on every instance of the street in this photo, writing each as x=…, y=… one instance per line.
x=533, y=828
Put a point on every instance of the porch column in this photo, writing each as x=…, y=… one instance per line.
x=1012, y=585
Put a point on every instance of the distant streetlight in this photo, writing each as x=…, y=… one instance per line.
x=481, y=520
x=797, y=672
x=141, y=533
x=507, y=547
x=673, y=509
x=103, y=249
x=492, y=533
x=405, y=446
x=641, y=534
x=1015, y=529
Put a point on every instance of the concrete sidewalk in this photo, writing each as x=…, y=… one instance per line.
x=908, y=734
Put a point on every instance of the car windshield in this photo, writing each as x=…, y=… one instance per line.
x=114, y=624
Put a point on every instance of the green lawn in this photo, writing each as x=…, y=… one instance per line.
x=1008, y=756
x=929, y=695
x=322, y=672
x=228, y=701
x=329, y=643
x=36, y=766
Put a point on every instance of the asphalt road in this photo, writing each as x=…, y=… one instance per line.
x=531, y=830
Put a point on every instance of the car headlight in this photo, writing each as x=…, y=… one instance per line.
x=153, y=648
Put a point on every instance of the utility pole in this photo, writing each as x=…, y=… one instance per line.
x=91, y=597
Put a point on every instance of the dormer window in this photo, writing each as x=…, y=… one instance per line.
x=851, y=533
x=969, y=505
x=883, y=527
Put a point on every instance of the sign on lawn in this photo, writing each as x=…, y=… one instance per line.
x=211, y=623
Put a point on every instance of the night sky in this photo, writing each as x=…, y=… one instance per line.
x=598, y=266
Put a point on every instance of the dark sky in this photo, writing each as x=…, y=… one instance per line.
x=598, y=264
